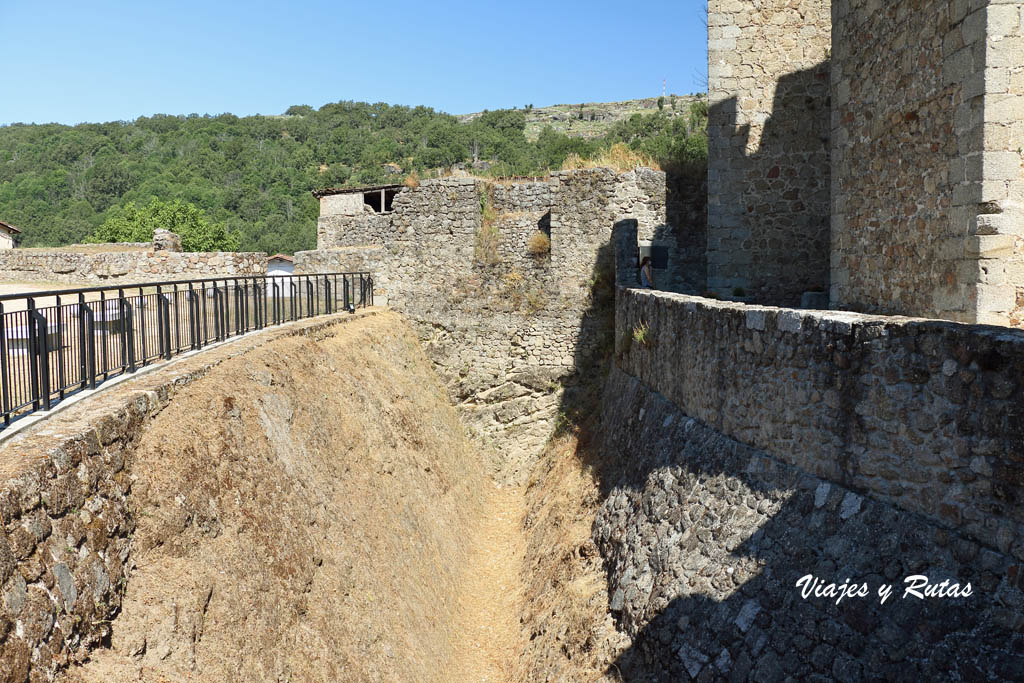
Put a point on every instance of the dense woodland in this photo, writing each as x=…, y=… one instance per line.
x=253, y=175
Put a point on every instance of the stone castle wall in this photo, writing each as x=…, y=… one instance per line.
x=768, y=129
x=25, y=265
x=920, y=414
x=908, y=148
x=508, y=333
x=1003, y=177
x=705, y=539
x=523, y=196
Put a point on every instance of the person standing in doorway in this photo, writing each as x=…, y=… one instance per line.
x=646, y=274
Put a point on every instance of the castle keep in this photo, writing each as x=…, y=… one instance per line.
x=869, y=148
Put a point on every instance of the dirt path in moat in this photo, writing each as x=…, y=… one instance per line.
x=490, y=604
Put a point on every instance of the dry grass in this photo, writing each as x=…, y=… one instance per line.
x=412, y=180
x=539, y=244
x=311, y=510
x=566, y=583
x=488, y=238
x=618, y=157
x=486, y=244
x=536, y=300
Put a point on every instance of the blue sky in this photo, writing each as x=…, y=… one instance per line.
x=109, y=60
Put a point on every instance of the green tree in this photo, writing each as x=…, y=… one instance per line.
x=133, y=224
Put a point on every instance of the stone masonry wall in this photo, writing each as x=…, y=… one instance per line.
x=1002, y=176
x=125, y=266
x=921, y=414
x=768, y=129
x=909, y=81
x=705, y=538
x=523, y=196
x=506, y=336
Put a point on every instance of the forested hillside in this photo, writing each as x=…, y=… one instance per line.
x=254, y=174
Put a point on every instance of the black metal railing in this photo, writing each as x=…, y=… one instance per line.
x=54, y=343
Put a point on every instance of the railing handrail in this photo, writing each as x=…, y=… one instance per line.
x=162, y=283
x=50, y=349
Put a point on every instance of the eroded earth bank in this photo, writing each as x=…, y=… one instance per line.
x=306, y=509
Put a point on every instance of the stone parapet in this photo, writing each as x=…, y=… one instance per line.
x=918, y=413
x=117, y=267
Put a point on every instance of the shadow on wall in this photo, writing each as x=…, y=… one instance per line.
x=683, y=236
x=685, y=231
x=595, y=342
x=705, y=539
x=769, y=209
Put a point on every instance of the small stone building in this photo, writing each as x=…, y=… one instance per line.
x=8, y=235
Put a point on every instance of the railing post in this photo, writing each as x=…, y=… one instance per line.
x=177, y=320
x=82, y=362
x=238, y=309
x=216, y=312
x=123, y=317
x=5, y=387
x=193, y=318
x=276, y=302
x=129, y=328
x=142, y=324
x=256, y=318
x=43, y=348
x=33, y=351
x=160, y=322
x=90, y=330
x=61, y=377
x=103, y=319
x=309, y=298
x=227, y=310
x=164, y=314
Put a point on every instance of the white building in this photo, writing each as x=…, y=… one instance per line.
x=280, y=265
x=7, y=235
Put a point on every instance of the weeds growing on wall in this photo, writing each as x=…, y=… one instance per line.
x=519, y=296
x=488, y=238
x=618, y=157
x=642, y=333
x=535, y=300
x=539, y=244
